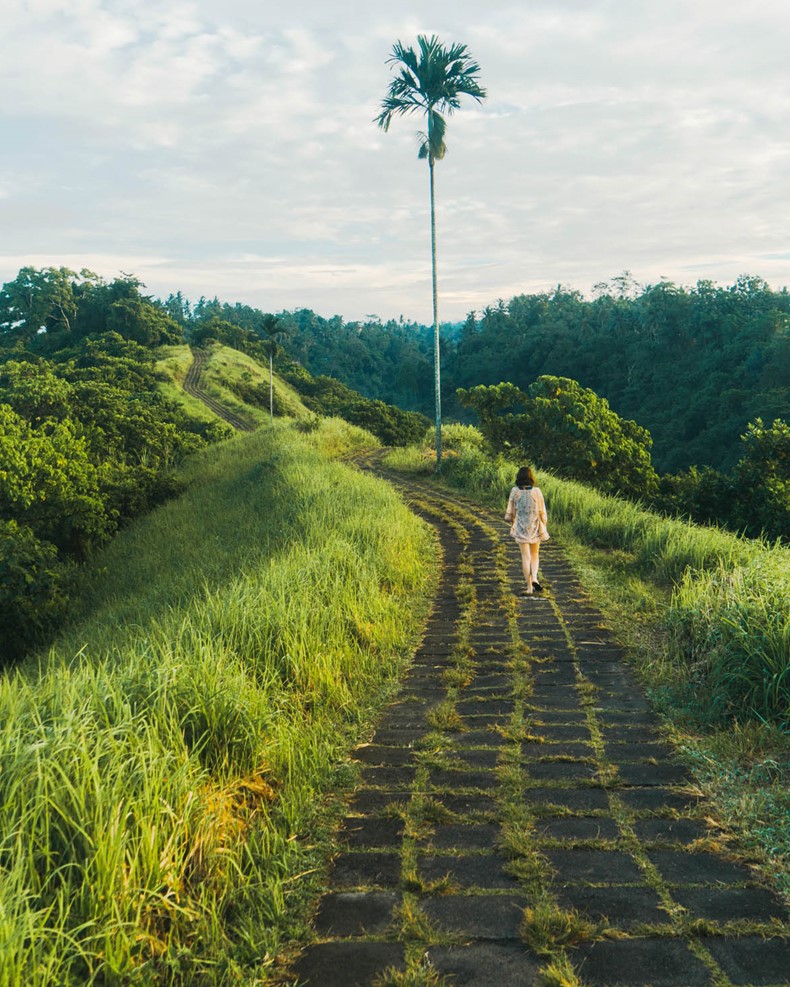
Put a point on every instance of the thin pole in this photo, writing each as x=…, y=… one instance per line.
x=271, y=390
x=436, y=358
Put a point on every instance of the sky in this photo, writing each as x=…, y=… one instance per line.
x=229, y=149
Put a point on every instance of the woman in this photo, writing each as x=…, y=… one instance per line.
x=526, y=510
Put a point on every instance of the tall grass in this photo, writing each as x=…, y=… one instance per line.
x=729, y=615
x=163, y=765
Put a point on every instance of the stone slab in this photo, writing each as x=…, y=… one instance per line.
x=478, y=758
x=532, y=751
x=356, y=913
x=489, y=707
x=467, y=804
x=353, y=870
x=687, y=867
x=576, y=799
x=481, y=722
x=386, y=776
x=494, y=680
x=593, y=866
x=573, y=715
x=416, y=722
x=452, y=780
x=620, y=712
x=461, y=836
x=561, y=770
x=620, y=752
x=395, y=736
x=484, y=964
x=479, y=916
x=347, y=964
x=372, y=800
x=752, y=960
x=557, y=733
x=656, y=799
x=371, y=832
x=479, y=738
x=485, y=872
x=554, y=676
x=634, y=733
x=651, y=774
x=640, y=963
x=732, y=904
x=577, y=828
x=683, y=830
x=620, y=906
x=380, y=755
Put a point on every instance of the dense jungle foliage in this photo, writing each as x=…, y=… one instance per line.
x=691, y=365
x=87, y=438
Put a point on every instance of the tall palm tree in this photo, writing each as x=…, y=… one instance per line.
x=431, y=80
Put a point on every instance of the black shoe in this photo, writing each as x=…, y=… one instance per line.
x=537, y=587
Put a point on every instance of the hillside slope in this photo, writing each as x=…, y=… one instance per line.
x=164, y=765
x=234, y=379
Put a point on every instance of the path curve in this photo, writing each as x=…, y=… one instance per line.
x=192, y=385
x=519, y=807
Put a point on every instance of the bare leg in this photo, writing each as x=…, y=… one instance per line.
x=526, y=564
x=534, y=562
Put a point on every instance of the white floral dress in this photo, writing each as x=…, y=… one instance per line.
x=527, y=511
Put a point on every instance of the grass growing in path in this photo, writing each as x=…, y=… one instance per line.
x=704, y=616
x=165, y=765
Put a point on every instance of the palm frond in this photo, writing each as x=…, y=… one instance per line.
x=432, y=79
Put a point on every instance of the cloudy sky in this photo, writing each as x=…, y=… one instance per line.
x=227, y=148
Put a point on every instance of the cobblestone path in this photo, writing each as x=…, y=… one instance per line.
x=520, y=819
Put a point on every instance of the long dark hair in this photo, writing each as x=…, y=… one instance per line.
x=525, y=477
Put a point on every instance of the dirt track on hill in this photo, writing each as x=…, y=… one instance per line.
x=192, y=385
x=522, y=768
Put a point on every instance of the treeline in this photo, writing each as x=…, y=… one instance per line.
x=692, y=365
x=699, y=378
x=705, y=371
x=87, y=439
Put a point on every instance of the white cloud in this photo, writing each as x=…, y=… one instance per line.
x=196, y=144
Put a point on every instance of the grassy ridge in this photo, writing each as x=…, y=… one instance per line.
x=163, y=768
x=235, y=379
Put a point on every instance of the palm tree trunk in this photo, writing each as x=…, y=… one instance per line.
x=436, y=360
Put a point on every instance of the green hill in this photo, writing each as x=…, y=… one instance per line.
x=164, y=764
x=238, y=381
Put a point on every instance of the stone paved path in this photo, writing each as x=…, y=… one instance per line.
x=520, y=814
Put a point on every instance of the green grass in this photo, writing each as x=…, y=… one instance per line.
x=170, y=765
x=235, y=379
x=240, y=383
x=172, y=364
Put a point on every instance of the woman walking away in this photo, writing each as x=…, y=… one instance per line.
x=526, y=510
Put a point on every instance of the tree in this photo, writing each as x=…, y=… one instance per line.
x=431, y=81
x=568, y=428
x=763, y=480
x=38, y=301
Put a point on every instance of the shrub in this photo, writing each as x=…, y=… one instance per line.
x=32, y=598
